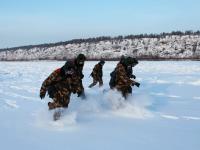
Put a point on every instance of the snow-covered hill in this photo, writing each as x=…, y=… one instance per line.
x=163, y=114
x=171, y=46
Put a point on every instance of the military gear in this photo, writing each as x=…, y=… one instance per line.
x=97, y=74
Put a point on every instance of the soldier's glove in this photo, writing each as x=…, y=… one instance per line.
x=133, y=76
x=42, y=95
x=137, y=84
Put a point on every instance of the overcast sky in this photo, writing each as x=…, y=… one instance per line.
x=26, y=22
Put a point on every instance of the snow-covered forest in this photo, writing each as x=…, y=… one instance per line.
x=174, y=45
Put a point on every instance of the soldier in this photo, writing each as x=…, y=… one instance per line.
x=60, y=85
x=112, y=82
x=120, y=78
x=79, y=63
x=129, y=70
x=97, y=74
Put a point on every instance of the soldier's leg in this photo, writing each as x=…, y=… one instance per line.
x=100, y=82
x=64, y=104
x=93, y=83
x=66, y=101
x=130, y=89
x=54, y=104
x=124, y=93
x=80, y=90
x=56, y=101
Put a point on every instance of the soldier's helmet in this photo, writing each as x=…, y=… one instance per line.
x=128, y=61
x=134, y=62
x=102, y=62
x=69, y=68
x=81, y=59
x=131, y=61
x=122, y=59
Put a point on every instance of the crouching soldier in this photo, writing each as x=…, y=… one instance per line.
x=122, y=80
x=79, y=64
x=59, y=86
x=97, y=74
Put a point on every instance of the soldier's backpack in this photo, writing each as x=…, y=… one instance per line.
x=112, y=82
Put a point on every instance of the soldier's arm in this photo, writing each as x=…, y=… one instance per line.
x=47, y=82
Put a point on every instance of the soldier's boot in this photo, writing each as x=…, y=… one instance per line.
x=91, y=85
x=100, y=84
x=83, y=95
x=56, y=115
x=125, y=95
x=53, y=105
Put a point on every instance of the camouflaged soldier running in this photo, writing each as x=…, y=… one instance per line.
x=79, y=63
x=97, y=74
x=123, y=81
x=59, y=85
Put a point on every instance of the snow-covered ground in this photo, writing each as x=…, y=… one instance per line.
x=164, y=113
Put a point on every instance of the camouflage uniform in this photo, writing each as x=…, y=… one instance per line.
x=123, y=82
x=121, y=76
x=97, y=74
x=129, y=73
x=79, y=63
x=59, y=87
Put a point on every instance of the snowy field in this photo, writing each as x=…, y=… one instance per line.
x=163, y=114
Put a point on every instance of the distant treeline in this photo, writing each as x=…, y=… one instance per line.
x=105, y=38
